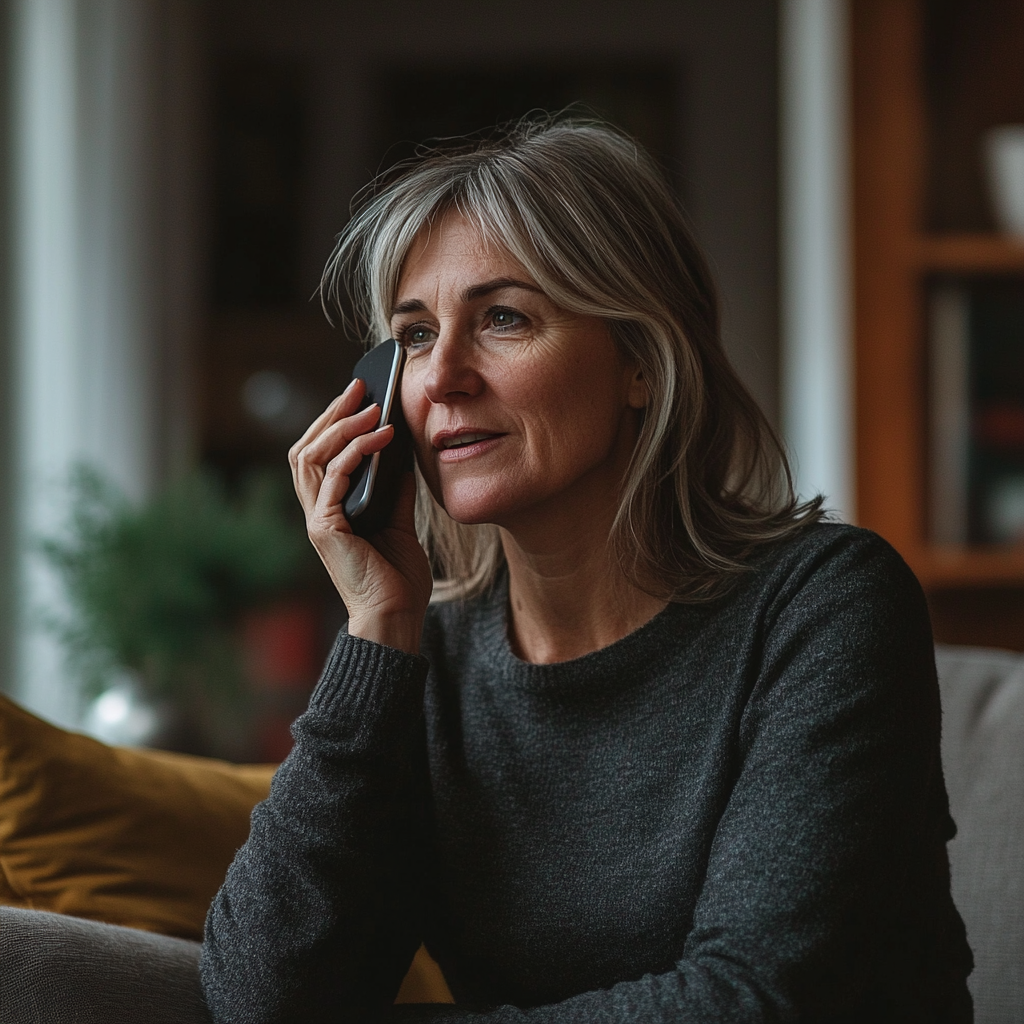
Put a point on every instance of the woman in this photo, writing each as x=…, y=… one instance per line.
x=667, y=749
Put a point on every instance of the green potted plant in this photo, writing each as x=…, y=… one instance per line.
x=159, y=590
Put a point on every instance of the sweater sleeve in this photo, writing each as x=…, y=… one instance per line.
x=316, y=911
x=831, y=846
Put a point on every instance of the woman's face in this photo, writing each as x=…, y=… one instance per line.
x=516, y=407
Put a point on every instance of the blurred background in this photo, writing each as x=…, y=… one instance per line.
x=174, y=175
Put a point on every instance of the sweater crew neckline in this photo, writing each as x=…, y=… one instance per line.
x=629, y=656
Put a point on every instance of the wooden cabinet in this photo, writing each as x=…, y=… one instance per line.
x=927, y=78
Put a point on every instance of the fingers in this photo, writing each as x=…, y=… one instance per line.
x=309, y=461
x=344, y=405
x=333, y=438
x=339, y=470
x=312, y=461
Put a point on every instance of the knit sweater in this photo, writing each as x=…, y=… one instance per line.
x=735, y=813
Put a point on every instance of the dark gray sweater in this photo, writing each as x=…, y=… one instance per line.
x=736, y=813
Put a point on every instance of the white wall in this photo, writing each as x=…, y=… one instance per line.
x=92, y=230
x=8, y=589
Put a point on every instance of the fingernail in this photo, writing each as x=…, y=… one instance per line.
x=351, y=385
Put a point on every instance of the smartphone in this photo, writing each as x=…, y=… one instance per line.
x=373, y=488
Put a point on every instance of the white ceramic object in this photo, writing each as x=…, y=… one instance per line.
x=1004, y=156
x=121, y=715
x=1005, y=510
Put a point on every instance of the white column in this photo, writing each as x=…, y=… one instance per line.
x=817, y=363
x=46, y=326
x=116, y=220
x=90, y=334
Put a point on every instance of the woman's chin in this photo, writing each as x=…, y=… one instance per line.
x=470, y=516
x=475, y=509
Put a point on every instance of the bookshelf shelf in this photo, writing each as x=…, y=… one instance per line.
x=928, y=78
x=959, y=567
x=969, y=253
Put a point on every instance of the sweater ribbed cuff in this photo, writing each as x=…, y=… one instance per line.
x=361, y=673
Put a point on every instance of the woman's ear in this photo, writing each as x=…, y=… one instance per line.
x=638, y=395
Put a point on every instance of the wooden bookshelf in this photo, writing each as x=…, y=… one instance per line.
x=968, y=253
x=977, y=593
x=945, y=567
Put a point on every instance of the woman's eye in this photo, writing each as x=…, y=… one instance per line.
x=416, y=337
x=504, y=319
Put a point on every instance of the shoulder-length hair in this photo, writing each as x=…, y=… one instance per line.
x=593, y=221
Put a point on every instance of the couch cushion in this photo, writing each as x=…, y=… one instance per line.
x=132, y=837
x=983, y=757
x=61, y=970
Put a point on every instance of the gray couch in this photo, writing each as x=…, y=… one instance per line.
x=61, y=970
x=983, y=755
x=58, y=970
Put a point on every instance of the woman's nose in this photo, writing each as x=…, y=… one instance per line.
x=452, y=372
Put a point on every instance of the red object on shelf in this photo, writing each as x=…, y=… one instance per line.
x=1000, y=426
x=281, y=647
x=282, y=661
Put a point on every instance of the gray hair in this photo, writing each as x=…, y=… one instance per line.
x=591, y=218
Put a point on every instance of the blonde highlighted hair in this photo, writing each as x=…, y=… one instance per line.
x=592, y=220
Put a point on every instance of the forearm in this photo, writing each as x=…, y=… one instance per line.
x=311, y=914
x=692, y=993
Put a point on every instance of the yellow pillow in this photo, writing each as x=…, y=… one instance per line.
x=141, y=838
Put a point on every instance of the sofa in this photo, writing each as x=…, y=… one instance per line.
x=109, y=858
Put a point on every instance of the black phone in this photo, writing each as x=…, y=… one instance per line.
x=373, y=487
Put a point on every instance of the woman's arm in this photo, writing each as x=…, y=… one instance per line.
x=316, y=912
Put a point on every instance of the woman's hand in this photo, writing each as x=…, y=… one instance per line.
x=385, y=581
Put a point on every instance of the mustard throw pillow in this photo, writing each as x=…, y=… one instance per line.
x=141, y=838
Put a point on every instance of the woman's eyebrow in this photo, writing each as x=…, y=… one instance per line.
x=476, y=291
x=497, y=284
x=409, y=306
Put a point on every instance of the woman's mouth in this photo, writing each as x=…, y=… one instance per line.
x=464, y=444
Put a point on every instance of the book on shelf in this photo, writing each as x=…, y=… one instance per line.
x=976, y=410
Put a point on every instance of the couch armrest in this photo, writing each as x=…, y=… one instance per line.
x=64, y=970
x=983, y=758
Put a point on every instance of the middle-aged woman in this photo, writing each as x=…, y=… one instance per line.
x=664, y=745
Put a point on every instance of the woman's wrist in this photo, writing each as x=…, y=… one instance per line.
x=401, y=631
